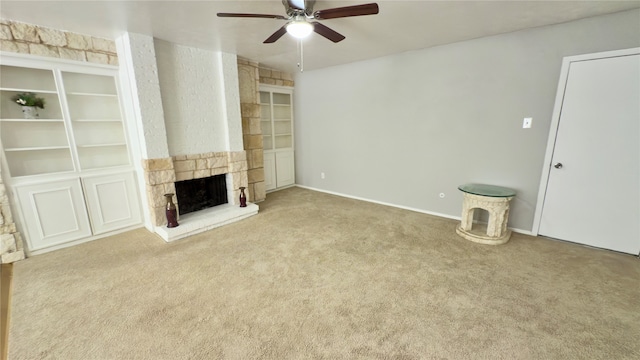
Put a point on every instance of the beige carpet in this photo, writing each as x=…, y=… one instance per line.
x=315, y=276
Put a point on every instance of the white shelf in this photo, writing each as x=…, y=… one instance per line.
x=21, y=79
x=36, y=161
x=88, y=84
x=91, y=94
x=32, y=120
x=37, y=148
x=94, y=107
x=97, y=120
x=10, y=110
x=101, y=145
x=37, y=91
x=81, y=128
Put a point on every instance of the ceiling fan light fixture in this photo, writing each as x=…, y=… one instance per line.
x=299, y=29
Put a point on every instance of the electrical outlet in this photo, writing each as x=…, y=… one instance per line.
x=526, y=124
x=321, y=175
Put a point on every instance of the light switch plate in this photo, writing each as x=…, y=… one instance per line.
x=526, y=124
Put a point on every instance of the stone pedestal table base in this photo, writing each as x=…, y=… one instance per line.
x=498, y=208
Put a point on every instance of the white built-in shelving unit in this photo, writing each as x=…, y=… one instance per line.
x=276, y=106
x=70, y=169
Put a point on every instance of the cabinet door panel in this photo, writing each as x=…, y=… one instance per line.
x=54, y=213
x=112, y=201
x=269, y=171
x=285, y=174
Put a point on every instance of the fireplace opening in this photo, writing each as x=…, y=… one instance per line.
x=198, y=194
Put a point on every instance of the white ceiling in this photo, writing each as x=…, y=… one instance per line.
x=400, y=26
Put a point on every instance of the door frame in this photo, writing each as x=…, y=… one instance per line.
x=555, y=122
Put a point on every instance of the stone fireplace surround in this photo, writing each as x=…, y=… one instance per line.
x=160, y=177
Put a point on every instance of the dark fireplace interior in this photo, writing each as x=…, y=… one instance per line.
x=198, y=194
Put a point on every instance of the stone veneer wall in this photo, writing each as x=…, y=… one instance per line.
x=161, y=175
x=251, y=128
x=275, y=77
x=24, y=38
x=11, y=247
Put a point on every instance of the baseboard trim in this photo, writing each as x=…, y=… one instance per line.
x=446, y=216
x=83, y=240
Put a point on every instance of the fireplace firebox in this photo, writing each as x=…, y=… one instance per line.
x=198, y=194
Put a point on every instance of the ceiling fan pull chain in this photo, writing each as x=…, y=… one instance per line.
x=301, y=55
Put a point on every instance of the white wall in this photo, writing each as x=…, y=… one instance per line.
x=404, y=128
x=141, y=91
x=193, y=98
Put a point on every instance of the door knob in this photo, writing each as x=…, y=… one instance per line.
x=558, y=166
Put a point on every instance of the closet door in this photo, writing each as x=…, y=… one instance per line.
x=593, y=190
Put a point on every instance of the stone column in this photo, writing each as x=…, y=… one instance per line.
x=251, y=130
x=11, y=247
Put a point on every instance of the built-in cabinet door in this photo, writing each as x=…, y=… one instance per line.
x=285, y=174
x=278, y=169
x=112, y=201
x=269, y=171
x=54, y=213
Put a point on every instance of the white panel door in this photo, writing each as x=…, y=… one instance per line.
x=112, y=201
x=54, y=213
x=285, y=173
x=593, y=191
x=269, y=170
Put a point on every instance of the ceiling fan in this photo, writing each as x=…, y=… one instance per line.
x=301, y=19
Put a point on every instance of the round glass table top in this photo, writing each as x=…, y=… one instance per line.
x=487, y=190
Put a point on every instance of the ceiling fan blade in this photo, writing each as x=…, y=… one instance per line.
x=356, y=10
x=327, y=32
x=264, y=16
x=275, y=36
